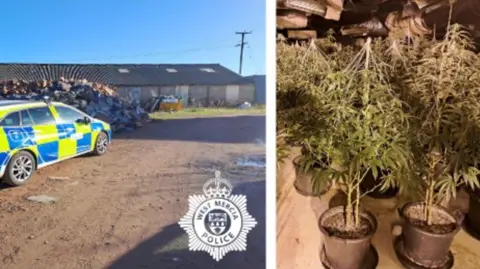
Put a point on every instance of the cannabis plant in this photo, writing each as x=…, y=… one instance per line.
x=365, y=127
x=444, y=94
x=300, y=69
x=282, y=147
x=283, y=151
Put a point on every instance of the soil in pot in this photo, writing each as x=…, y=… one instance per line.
x=423, y=244
x=472, y=221
x=369, y=184
x=341, y=241
x=304, y=181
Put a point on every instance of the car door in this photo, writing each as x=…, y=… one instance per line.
x=13, y=137
x=41, y=122
x=75, y=133
x=13, y=131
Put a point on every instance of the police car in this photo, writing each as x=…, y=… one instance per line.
x=34, y=134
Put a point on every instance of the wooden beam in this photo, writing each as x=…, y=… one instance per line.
x=291, y=20
x=335, y=4
x=332, y=14
x=307, y=6
x=302, y=34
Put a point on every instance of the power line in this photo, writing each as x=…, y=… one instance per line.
x=241, y=45
x=208, y=56
x=253, y=62
x=157, y=53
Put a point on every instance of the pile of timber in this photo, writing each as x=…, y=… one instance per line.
x=97, y=100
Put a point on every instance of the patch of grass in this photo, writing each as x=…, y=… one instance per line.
x=200, y=112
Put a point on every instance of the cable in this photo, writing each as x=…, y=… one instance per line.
x=255, y=66
x=155, y=53
x=207, y=55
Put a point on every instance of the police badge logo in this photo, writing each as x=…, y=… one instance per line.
x=16, y=135
x=217, y=221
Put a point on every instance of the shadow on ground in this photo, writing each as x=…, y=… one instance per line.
x=5, y=186
x=168, y=249
x=238, y=129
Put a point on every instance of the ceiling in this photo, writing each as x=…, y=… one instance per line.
x=350, y=19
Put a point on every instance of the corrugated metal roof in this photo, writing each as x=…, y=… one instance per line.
x=125, y=74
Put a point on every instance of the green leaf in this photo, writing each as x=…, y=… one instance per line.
x=374, y=171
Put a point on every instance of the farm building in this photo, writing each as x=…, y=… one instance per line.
x=260, y=88
x=203, y=83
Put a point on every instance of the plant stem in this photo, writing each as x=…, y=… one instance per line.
x=430, y=202
x=425, y=210
x=357, y=206
x=367, y=57
x=348, y=209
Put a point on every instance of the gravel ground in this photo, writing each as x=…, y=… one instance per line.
x=121, y=210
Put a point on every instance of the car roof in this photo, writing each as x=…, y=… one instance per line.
x=9, y=105
x=13, y=102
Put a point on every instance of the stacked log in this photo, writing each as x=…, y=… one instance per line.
x=95, y=99
x=309, y=19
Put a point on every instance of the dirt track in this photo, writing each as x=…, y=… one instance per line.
x=121, y=210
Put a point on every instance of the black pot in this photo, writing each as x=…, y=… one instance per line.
x=304, y=182
x=423, y=247
x=473, y=215
x=368, y=184
x=346, y=253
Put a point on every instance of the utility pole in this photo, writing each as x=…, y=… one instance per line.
x=241, y=45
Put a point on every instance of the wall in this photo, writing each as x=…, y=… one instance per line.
x=217, y=92
x=260, y=89
x=231, y=94
x=199, y=93
x=167, y=90
x=236, y=94
x=141, y=94
x=182, y=91
x=246, y=93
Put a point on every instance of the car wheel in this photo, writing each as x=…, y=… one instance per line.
x=20, y=169
x=101, y=145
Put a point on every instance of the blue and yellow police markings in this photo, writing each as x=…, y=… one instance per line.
x=4, y=148
x=50, y=143
x=98, y=127
x=12, y=139
x=46, y=139
x=83, y=134
x=67, y=142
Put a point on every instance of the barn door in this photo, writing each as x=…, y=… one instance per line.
x=231, y=94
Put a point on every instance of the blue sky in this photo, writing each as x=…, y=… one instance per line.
x=133, y=31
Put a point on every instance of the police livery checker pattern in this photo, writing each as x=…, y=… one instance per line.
x=48, y=143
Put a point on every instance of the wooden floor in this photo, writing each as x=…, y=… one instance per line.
x=299, y=239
